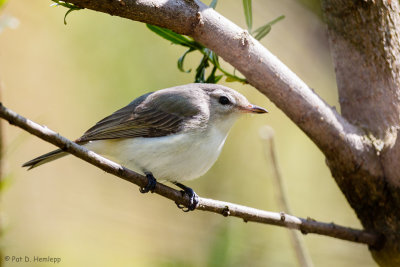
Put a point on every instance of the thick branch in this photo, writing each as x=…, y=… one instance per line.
x=365, y=46
x=341, y=142
x=227, y=209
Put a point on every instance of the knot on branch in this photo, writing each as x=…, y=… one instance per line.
x=283, y=216
x=65, y=146
x=244, y=39
x=226, y=212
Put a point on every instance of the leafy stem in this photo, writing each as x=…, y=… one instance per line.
x=71, y=7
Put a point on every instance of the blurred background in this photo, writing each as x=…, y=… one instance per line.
x=69, y=77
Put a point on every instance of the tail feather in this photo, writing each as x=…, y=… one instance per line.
x=53, y=155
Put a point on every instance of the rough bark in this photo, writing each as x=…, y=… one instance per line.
x=365, y=45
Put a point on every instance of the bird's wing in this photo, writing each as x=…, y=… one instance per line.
x=151, y=115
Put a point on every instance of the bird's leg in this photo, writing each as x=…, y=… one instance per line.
x=193, y=197
x=151, y=183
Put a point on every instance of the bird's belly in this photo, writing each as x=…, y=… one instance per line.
x=177, y=157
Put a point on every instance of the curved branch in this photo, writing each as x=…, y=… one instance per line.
x=226, y=209
x=342, y=143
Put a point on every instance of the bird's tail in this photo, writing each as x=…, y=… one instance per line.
x=53, y=155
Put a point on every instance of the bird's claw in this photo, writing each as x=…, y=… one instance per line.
x=193, y=198
x=151, y=184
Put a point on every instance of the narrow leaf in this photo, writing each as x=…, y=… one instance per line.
x=248, y=14
x=201, y=69
x=65, y=4
x=213, y=4
x=66, y=14
x=172, y=36
x=217, y=78
x=232, y=79
x=214, y=58
x=212, y=78
x=262, y=31
x=182, y=58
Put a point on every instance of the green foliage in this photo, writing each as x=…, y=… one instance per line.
x=248, y=14
x=209, y=57
x=262, y=31
x=71, y=7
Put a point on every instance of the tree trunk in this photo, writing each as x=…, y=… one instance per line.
x=365, y=45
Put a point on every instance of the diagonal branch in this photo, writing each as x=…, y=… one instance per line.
x=226, y=209
x=342, y=143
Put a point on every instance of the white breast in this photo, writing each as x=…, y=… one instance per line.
x=177, y=157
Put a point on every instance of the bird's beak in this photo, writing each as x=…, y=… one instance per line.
x=253, y=109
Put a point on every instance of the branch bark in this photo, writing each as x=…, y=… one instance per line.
x=306, y=226
x=366, y=34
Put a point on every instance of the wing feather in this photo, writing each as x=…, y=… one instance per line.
x=151, y=115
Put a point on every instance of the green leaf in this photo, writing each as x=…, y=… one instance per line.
x=212, y=78
x=248, y=14
x=64, y=4
x=201, y=70
x=66, y=14
x=71, y=7
x=173, y=36
x=217, y=78
x=182, y=58
x=230, y=79
x=213, y=4
x=214, y=58
x=262, y=31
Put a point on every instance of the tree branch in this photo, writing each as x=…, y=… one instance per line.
x=226, y=209
x=342, y=143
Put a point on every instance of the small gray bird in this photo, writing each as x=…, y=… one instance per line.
x=174, y=134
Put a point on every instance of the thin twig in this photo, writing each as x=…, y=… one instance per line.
x=248, y=214
x=303, y=258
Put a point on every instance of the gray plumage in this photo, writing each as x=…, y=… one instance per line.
x=190, y=110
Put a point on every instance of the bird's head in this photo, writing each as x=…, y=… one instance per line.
x=225, y=102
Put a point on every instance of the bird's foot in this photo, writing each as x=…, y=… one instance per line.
x=151, y=184
x=193, y=198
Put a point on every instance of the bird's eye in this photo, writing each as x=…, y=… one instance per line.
x=223, y=100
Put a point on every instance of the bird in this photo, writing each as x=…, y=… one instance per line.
x=174, y=134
